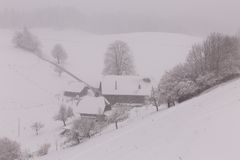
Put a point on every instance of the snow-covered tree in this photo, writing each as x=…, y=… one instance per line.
x=166, y=89
x=60, y=55
x=206, y=80
x=9, y=150
x=207, y=64
x=70, y=112
x=176, y=84
x=26, y=40
x=37, y=126
x=186, y=89
x=64, y=113
x=196, y=61
x=119, y=113
x=155, y=98
x=118, y=60
x=221, y=53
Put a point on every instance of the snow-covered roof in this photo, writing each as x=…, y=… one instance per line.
x=92, y=105
x=126, y=85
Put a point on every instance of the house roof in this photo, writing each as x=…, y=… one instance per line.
x=126, y=85
x=83, y=92
x=92, y=105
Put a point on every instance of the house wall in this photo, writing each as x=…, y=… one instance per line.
x=134, y=99
x=71, y=94
x=96, y=117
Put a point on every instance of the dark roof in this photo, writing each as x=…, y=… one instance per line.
x=82, y=93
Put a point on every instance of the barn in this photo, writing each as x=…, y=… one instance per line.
x=125, y=89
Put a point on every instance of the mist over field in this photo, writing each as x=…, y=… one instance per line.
x=124, y=16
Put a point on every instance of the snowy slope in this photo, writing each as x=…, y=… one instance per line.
x=23, y=73
x=29, y=90
x=29, y=86
x=205, y=127
x=154, y=53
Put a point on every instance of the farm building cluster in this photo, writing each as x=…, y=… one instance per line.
x=113, y=89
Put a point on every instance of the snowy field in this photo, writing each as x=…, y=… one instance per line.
x=86, y=51
x=30, y=87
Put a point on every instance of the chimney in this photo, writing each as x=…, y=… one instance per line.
x=115, y=85
x=139, y=86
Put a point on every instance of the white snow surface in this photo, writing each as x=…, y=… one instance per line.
x=204, y=128
x=30, y=89
x=153, y=53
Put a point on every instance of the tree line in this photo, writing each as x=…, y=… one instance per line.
x=215, y=60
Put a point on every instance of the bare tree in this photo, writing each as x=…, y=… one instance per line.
x=118, y=60
x=221, y=53
x=43, y=150
x=119, y=113
x=63, y=114
x=9, y=150
x=155, y=98
x=36, y=126
x=26, y=40
x=196, y=61
x=60, y=55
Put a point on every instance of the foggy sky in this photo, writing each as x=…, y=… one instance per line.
x=195, y=15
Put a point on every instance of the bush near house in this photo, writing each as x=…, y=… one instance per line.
x=119, y=114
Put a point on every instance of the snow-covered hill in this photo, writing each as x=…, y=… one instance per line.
x=29, y=86
x=206, y=127
x=154, y=53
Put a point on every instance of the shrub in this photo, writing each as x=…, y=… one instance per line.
x=26, y=155
x=9, y=150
